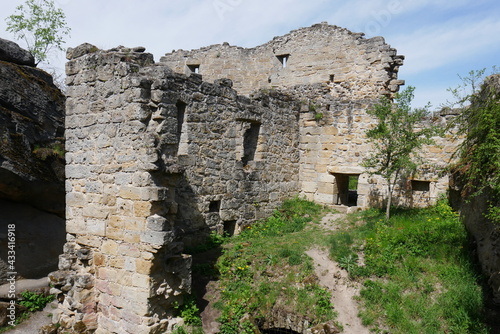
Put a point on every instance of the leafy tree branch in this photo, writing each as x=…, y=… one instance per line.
x=40, y=25
x=397, y=139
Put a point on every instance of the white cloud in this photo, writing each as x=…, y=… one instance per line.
x=435, y=46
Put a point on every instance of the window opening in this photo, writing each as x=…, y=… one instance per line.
x=250, y=140
x=181, y=111
x=418, y=185
x=283, y=59
x=194, y=68
x=332, y=77
x=214, y=206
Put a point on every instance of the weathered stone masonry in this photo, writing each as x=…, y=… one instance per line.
x=156, y=160
x=137, y=189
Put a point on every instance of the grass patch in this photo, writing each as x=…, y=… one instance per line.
x=265, y=269
x=418, y=276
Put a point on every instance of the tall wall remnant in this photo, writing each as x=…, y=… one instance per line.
x=322, y=53
x=156, y=160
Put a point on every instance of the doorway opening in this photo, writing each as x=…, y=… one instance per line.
x=346, y=189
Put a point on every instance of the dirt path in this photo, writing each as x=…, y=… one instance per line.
x=337, y=281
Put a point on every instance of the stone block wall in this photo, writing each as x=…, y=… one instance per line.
x=318, y=54
x=333, y=145
x=157, y=160
x=336, y=75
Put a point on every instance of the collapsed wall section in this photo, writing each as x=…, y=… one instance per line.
x=156, y=161
x=319, y=54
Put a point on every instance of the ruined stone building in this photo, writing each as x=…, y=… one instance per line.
x=160, y=154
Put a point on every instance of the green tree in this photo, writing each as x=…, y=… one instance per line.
x=397, y=139
x=41, y=25
x=479, y=124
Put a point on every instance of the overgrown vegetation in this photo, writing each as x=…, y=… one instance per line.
x=396, y=139
x=33, y=302
x=415, y=269
x=189, y=311
x=417, y=276
x=54, y=150
x=265, y=269
x=40, y=25
x=479, y=123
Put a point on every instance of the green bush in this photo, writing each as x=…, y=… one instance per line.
x=35, y=301
x=189, y=311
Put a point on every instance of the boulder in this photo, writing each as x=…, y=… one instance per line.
x=13, y=53
x=31, y=138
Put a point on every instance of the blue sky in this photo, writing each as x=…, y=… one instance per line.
x=441, y=39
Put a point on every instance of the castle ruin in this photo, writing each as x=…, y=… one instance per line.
x=161, y=154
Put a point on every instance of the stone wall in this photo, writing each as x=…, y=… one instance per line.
x=157, y=160
x=318, y=54
x=337, y=75
x=333, y=145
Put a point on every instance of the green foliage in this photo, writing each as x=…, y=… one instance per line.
x=479, y=123
x=265, y=267
x=41, y=25
x=418, y=276
x=189, y=311
x=34, y=301
x=353, y=182
x=291, y=217
x=318, y=116
x=180, y=330
x=396, y=139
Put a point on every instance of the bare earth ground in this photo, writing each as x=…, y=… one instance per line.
x=337, y=281
x=330, y=275
x=36, y=321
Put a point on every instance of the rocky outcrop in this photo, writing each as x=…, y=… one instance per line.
x=31, y=157
x=12, y=53
x=474, y=207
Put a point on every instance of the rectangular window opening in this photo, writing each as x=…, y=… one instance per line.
x=214, y=207
x=283, y=59
x=332, y=77
x=194, y=68
x=250, y=141
x=181, y=111
x=417, y=185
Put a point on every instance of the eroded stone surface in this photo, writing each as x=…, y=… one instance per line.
x=157, y=160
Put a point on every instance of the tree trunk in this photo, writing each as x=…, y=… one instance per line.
x=389, y=202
